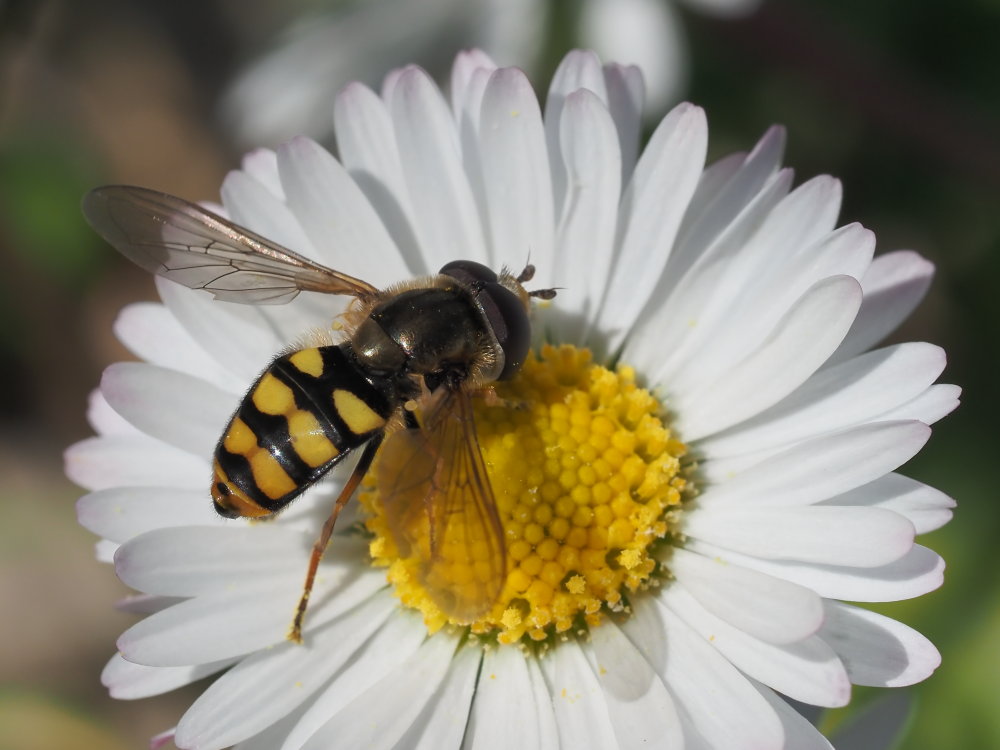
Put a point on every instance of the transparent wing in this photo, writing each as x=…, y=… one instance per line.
x=185, y=243
x=440, y=508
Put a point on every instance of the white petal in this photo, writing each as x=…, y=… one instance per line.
x=686, y=310
x=578, y=701
x=651, y=209
x=876, y=649
x=446, y=715
x=936, y=402
x=580, y=69
x=203, y=629
x=641, y=709
x=467, y=120
x=262, y=165
x=894, y=285
x=515, y=173
x=919, y=571
x=770, y=289
x=548, y=730
x=817, y=469
x=160, y=740
x=389, y=82
x=646, y=631
x=794, y=349
x=724, y=191
x=152, y=333
x=120, y=513
x=182, y=410
x=587, y=225
x=335, y=214
x=807, y=670
x=276, y=733
x=713, y=181
x=735, y=317
x=807, y=214
x=395, y=642
x=252, y=205
x=104, y=551
x=504, y=713
x=232, y=333
x=106, y=421
x=860, y=537
x=725, y=709
x=647, y=33
x=195, y=560
x=626, y=97
x=846, y=251
x=381, y=715
x=799, y=733
x=925, y=507
x=763, y=606
x=133, y=461
x=853, y=391
x=128, y=681
x=183, y=634
x=469, y=64
x=447, y=222
x=369, y=153
x=146, y=604
x=271, y=683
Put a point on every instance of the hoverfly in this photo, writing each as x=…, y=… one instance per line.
x=424, y=346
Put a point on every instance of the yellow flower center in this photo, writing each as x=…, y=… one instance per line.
x=584, y=473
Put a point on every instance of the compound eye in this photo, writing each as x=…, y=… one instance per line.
x=509, y=320
x=505, y=313
x=468, y=271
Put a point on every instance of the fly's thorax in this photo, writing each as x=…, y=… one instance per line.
x=422, y=332
x=466, y=322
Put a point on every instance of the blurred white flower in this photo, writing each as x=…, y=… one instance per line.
x=734, y=297
x=286, y=92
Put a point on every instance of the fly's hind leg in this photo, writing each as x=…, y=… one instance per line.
x=365, y=462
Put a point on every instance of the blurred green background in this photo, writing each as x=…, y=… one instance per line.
x=900, y=99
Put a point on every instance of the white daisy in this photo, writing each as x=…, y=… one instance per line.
x=677, y=555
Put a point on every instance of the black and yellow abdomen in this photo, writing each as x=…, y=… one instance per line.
x=306, y=412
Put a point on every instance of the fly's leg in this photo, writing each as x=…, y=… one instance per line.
x=295, y=633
